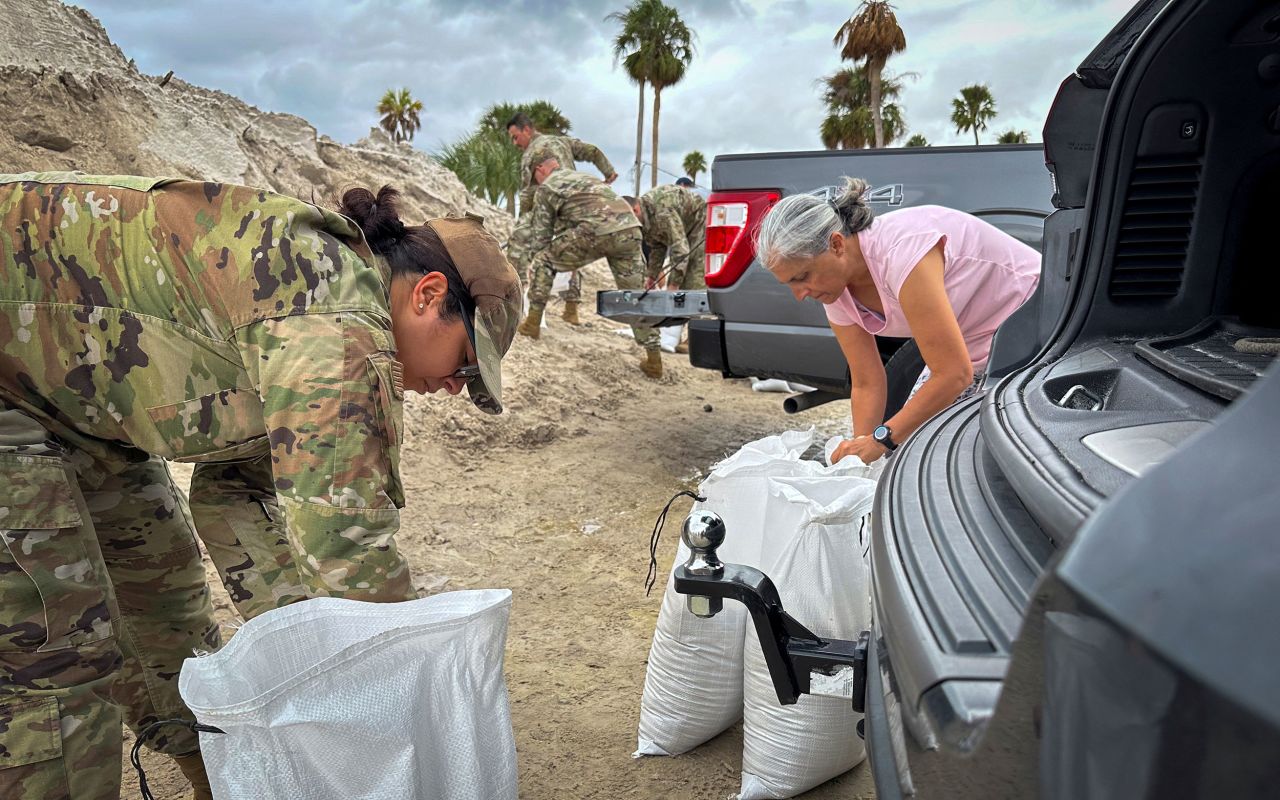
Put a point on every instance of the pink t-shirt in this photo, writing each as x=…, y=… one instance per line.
x=986, y=272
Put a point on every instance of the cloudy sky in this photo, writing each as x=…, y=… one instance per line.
x=752, y=86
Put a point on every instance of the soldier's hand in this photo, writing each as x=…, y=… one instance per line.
x=611, y=178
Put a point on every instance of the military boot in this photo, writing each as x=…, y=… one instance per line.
x=532, y=325
x=651, y=364
x=193, y=767
x=571, y=312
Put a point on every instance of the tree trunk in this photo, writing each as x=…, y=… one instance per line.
x=874, y=67
x=975, y=131
x=639, y=138
x=657, y=109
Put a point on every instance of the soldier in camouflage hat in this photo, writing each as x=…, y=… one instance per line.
x=538, y=147
x=674, y=221
x=575, y=220
x=266, y=339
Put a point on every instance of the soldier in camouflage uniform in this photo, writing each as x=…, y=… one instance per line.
x=674, y=221
x=575, y=220
x=254, y=334
x=537, y=148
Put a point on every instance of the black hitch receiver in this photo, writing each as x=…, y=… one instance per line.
x=800, y=662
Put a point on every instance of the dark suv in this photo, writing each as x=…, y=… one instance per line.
x=1076, y=574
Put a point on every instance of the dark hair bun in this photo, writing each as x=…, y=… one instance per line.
x=376, y=216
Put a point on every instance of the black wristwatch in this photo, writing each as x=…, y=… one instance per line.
x=884, y=436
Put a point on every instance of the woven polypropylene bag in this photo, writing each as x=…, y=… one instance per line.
x=333, y=698
x=816, y=555
x=693, y=683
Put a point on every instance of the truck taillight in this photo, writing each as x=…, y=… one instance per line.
x=731, y=221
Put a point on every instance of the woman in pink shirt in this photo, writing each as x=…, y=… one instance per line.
x=942, y=277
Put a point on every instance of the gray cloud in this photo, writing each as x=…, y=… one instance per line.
x=750, y=88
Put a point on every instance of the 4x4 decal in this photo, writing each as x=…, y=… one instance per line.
x=890, y=194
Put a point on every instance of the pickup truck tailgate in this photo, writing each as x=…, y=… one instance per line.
x=655, y=307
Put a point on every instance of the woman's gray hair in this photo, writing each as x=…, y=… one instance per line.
x=801, y=225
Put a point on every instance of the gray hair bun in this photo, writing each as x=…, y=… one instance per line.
x=801, y=225
x=852, y=206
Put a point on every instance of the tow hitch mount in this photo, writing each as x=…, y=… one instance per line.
x=800, y=662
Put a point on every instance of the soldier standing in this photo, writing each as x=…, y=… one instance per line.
x=575, y=220
x=538, y=147
x=263, y=338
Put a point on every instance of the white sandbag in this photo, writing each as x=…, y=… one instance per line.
x=777, y=385
x=693, y=682
x=669, y=337
x=562, y=282
x=815, y=555
x=379, y=701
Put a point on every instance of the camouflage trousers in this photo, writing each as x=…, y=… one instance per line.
x=518, y=254
x=694, y=274
x=575, y=249
x=102, y=596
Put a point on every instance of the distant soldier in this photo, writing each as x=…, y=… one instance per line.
x=265, y=339
x=538, y=147
x=674, y=221
x=576, y=219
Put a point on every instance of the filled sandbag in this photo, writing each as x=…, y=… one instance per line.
x=815, y=553
x=693, y=682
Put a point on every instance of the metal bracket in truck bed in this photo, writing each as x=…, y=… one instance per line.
x=653, y=308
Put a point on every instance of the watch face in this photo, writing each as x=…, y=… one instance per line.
x=880, y=434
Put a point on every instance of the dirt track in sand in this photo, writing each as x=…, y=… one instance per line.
x=587, y=444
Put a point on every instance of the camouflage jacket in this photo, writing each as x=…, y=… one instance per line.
x=565, y=149
x=568, y=200
x=208, y=322
x=673, y=218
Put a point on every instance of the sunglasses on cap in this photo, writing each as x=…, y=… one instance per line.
x=466, y=373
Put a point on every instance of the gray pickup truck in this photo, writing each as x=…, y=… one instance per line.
x=747, y=324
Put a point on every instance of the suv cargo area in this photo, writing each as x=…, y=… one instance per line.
x=1158, y=309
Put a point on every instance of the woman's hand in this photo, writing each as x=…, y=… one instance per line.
x=865, y=448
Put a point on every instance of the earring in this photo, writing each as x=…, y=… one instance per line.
x=421, y=306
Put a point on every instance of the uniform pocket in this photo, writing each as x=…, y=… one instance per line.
x=223, y=426
x=386, y=378
x=30, y=731
x=51, y=575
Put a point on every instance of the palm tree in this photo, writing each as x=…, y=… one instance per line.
x=849, y=123
x=973, y=109
x=546, y=117
x=487, y=164
x=694, y=163
x=400, y=115
x=1012, y=137
x=917, y=140
x=871, y=36
x=655, y=47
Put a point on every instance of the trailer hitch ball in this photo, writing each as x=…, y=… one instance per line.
x=703, y=533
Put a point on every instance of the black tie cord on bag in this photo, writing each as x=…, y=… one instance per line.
x=135, y=755
x=652, y=577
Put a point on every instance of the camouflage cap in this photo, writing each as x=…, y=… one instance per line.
x=495, y=290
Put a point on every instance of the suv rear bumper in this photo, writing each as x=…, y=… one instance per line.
x=881, y=720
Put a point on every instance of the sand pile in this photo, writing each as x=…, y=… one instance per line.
x=73, y=100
